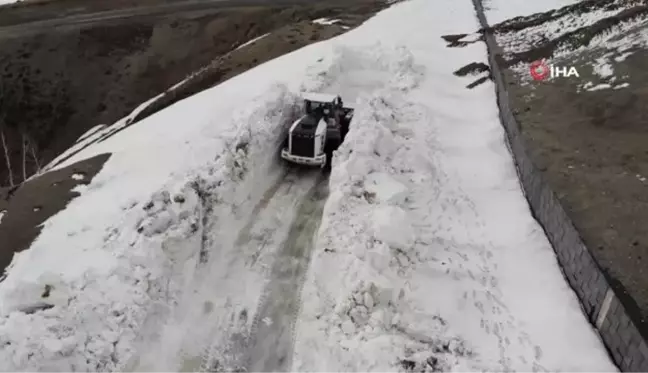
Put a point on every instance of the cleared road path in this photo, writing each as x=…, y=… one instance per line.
x=271, y=342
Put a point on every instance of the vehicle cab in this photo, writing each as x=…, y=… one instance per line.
x=308, y=135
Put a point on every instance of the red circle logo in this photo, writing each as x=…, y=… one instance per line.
x=539, y=70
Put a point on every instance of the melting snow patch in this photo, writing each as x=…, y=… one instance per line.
x=472, y=38
x=78, y=176
x=610, y=40
x=622, y=57
x=252, y=41
x=599, y=87
x=527, y=38
x=326, y=21
x=602, y=67
x=2, y=214
x=91, y=131
x=501, y=10
x=622, y=85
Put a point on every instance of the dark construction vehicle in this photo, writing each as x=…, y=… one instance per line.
x=312, y=138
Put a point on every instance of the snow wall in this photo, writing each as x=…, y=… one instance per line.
x=605, y=301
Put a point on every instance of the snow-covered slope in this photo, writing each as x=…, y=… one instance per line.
x=426, y=255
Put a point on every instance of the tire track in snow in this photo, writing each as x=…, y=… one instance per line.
x=286, y=182
x=270, y=346
x=282, y=203
x=213, y=313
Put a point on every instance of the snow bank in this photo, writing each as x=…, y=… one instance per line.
x=120, y=255
x=428, y=258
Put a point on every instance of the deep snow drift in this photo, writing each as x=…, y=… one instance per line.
x=426, y=256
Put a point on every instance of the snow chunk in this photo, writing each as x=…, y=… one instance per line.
x=78, y=176
x=392, y=226
x=385, y=188
x=2, y=214
x=48, y=290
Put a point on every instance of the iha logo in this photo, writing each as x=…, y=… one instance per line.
x=540, y=70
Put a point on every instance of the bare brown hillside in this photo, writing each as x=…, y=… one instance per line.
x=58, y=82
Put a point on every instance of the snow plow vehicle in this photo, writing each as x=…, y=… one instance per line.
x=313, y=138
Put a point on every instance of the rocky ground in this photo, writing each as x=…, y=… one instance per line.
x=57, y=82
x=588, y=133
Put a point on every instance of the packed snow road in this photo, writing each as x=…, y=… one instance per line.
x=267, y=345
x=274, y=242
x=271, y=342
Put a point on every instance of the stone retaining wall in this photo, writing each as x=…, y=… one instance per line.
x=605, y=302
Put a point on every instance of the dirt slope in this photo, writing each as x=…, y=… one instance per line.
x=591, y=143
x=60, y=82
